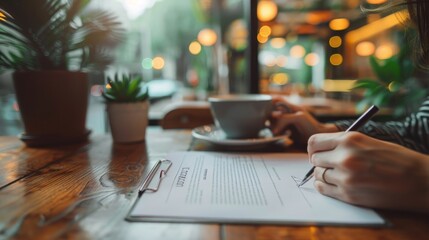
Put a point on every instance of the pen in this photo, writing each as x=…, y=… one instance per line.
x=355, y=126
x=152, y=182
x=149, y=178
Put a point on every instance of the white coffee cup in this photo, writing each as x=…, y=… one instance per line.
x=241, y=116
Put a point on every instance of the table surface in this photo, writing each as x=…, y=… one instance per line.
x=84, y=191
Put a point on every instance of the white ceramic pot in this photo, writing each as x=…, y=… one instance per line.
x=128, y=121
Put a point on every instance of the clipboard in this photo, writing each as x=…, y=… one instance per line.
x=155, y=176
x=151, y=183
x=214, y=187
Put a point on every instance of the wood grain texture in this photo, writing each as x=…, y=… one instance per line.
x=18, y=161
x=85, y=192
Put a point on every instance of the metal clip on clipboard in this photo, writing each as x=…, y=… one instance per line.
x=151, y=183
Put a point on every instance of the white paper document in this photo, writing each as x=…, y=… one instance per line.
x=243, y=188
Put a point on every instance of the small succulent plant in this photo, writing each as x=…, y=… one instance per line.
x=125, y=88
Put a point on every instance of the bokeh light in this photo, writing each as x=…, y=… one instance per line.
x=281, y=61
x=339, y=24
x=147, y=63
x=280, y=78
x=265, y=31
x=278, y=42
x=266, y=10
x=297, y=51
x=207, y=37
x=194, y=47
x=335, y=41
x=384, y=52
x=312, y=59
x=237, y=35
x=336, y=59
x=262, y=39
x=158, y=63
x=365, y=49
x=267, y=58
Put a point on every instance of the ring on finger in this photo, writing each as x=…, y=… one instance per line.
x=323, y=176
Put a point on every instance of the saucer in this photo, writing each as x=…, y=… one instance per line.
x=216, y=136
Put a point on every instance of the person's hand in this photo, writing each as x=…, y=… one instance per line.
x=361, y=170
x=287, y=116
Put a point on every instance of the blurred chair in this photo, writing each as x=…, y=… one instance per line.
x=186, y=115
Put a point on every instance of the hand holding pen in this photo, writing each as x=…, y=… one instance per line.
x=362, y=120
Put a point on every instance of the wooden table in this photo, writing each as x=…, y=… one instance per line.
x=85, y=191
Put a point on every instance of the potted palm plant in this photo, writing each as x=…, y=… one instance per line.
x=50, y=45
x=127, y=108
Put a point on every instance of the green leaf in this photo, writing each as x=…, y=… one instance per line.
x=395, y=86
x=387, y=70
x=365, y=84
x=125, y=88
x=75, y=8
x=407, y=69
x=58, y=34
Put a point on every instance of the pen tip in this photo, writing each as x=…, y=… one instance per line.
x=304, y=181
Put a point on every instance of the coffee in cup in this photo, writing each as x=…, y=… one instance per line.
x=241, y=116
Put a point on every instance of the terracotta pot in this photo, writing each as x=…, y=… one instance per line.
x=53, y=106
x=128, y=121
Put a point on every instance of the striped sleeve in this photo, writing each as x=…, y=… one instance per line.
x=413, y=132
